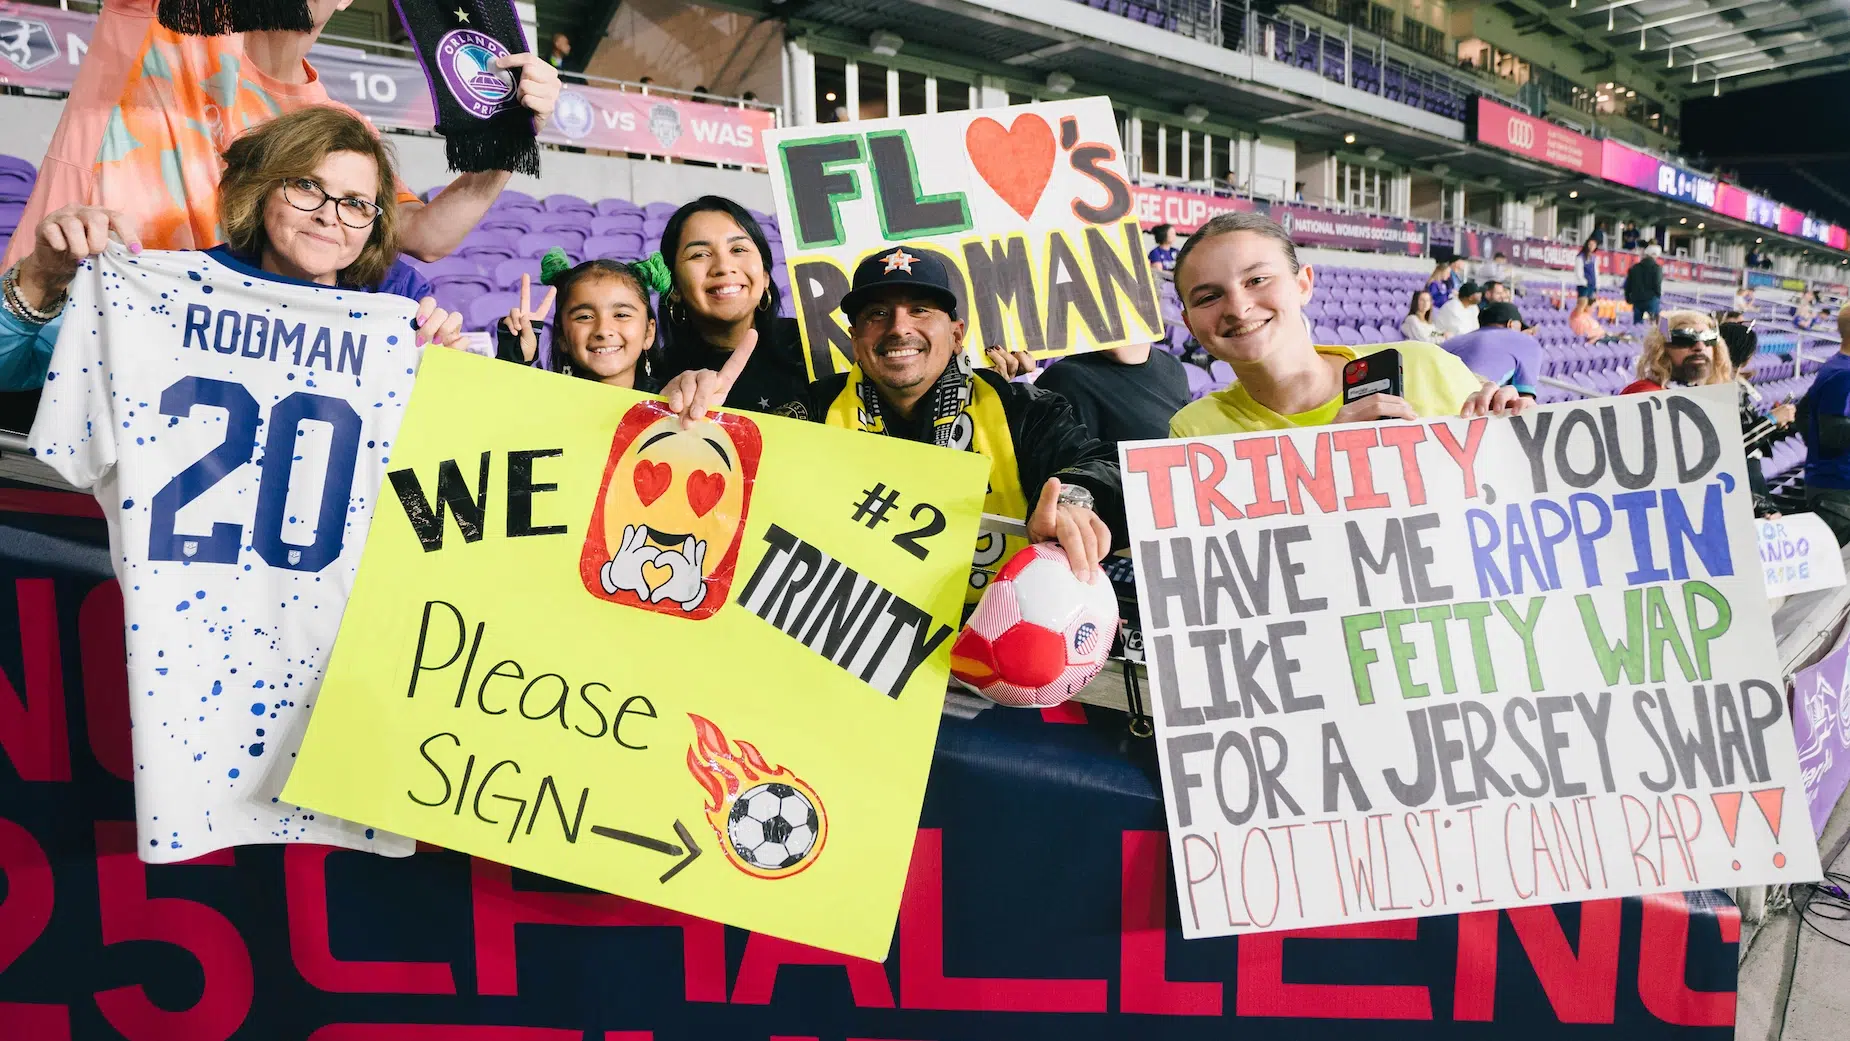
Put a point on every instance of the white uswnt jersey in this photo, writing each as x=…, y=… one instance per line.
x=235, y=429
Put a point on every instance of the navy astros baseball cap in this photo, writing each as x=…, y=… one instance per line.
x=901, y=268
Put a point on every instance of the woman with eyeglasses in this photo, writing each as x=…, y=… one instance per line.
x=1682, y=350
x=306, y=197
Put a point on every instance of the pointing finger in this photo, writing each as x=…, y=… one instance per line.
x=736, y=364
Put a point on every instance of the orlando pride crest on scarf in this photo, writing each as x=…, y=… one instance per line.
x=478, y=107
x=218, y=17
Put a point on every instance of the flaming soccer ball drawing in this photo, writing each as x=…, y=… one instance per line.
x=769, y=822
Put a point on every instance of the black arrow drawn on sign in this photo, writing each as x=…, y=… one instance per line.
x=692, y=852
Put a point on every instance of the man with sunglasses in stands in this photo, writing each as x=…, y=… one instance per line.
x=1682, y=350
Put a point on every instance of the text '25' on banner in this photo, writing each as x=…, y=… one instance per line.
x=1412, y=669
x=684, y=666
x=1028, y=207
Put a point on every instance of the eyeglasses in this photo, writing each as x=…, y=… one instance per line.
x=308, y=196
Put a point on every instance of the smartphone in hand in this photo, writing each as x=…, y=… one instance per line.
x=1377, y=373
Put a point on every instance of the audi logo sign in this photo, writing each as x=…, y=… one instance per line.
x=1521, y=134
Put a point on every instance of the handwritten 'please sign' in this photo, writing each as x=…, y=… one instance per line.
x=1029, y=208
x=1425, y=668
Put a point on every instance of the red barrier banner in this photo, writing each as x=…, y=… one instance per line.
x=1183, y=210
x=1504, y=128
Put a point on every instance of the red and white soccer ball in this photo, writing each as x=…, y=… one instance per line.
x=1039, y=634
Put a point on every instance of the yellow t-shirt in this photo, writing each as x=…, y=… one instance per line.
x=1435, y=382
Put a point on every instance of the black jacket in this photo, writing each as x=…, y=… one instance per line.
x=1050, y=441
x=1644, y=282
x=775, y=376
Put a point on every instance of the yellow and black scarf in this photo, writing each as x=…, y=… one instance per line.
x=967, y=415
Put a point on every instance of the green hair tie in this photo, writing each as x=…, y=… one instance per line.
x=653, y=271
x=554, y=264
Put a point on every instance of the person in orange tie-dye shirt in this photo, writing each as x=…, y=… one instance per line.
x=151, y=111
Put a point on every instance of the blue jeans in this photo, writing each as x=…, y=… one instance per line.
x=1588, y=292
x=1652, y=307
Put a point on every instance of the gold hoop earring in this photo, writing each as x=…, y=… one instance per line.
x=764, y=302
x=677, y=311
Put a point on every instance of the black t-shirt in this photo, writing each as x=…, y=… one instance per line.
x=1119, y=402
x=774, y=378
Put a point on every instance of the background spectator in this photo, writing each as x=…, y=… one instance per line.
x=1459, y=315
x=1824, y=422
x=1163, y=254
x=1495, y=293
x=1589, y=269
x=1499, y=351
x=1644, y=286
x=1682, y=350
x=1440, y=287
x=1123, y=394
x=1418, y=323
x=1582, y=321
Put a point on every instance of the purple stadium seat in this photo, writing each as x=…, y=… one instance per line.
x=660, y=210
x=453, y=288
x=453, y=265
x=536, y=243
x=1198, y=380
x=1220, y=371
x=486, y=255
x=623, y=245
x=508, y=272
x=615, y=207
x=1371, y=334
x=485, y=310
x=563, y=203
x=546, y=221
x=617, y=222
x=508, y=226
x=1325, y=335
x=1347, y=336
x=514, y=207
x=15, y=184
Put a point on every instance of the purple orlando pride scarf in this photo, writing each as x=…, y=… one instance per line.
x=479, y=113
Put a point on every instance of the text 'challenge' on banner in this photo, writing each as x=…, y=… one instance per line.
x=1435, y=667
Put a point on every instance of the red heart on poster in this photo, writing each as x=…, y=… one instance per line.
x=652, y=480
x=1016, y=162
x=704, y=490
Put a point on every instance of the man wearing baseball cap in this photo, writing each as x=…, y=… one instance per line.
x=1459, y=315
x=1499, y=350
x=912, y=379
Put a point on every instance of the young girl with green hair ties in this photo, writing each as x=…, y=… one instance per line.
x=605, y=326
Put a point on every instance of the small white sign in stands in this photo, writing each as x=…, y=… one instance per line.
x=1799, y=554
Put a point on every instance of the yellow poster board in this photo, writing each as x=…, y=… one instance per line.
x=699, y=668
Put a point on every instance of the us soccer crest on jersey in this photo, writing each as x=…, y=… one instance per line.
x=235, y=430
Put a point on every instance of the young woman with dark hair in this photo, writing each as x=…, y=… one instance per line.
x=721, y=293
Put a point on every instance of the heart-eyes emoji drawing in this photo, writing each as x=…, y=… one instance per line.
x=665, y=532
